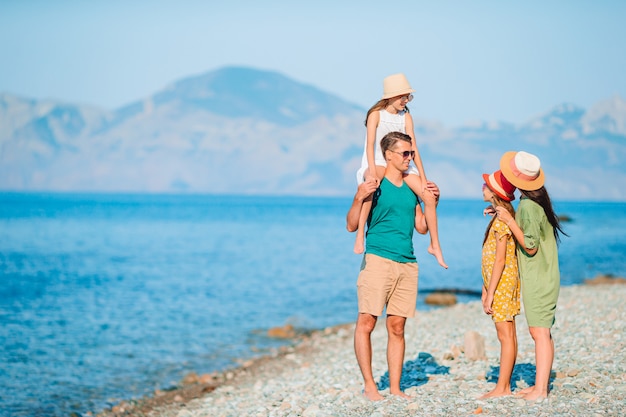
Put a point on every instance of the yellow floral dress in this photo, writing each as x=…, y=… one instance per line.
x=506, y=300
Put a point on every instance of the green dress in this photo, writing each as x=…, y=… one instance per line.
x=539, y=274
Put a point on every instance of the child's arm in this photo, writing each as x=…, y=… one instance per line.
x=417, y=159
x=372, y=124
x=496, y=273
x=517, y=231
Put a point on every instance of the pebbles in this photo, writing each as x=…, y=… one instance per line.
x=320, y=377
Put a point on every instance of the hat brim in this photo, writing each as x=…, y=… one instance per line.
x=397, y=93
x=507, y=171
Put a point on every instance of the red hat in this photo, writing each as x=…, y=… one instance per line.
x=500, y=185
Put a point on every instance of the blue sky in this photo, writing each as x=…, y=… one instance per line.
x=468, y=60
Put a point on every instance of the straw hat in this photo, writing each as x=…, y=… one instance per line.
x=523, y=170
x=500, y=186
x=396, y=85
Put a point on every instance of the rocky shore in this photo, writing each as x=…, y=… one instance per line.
x=319, y=376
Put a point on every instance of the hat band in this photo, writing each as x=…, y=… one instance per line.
x=519, y=174
x=498, y=189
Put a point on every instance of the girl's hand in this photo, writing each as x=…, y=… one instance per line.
x=489, y=210
x=369, y=178
x=503, y=214
x=487, y=302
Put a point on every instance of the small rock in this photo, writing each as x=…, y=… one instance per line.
x=414, y=406
x=474, y=346
x=311, y=411
x=605, y=279
x=440, y=299
x=190, y=378
x=283, y=332
x=456, y=351
x=206, y=378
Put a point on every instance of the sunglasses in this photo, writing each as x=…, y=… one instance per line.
x=407, y=97
x=405, y=154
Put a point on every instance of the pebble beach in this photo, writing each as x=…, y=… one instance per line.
x=319, y=377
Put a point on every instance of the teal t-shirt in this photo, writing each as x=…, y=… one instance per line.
x=391, y=222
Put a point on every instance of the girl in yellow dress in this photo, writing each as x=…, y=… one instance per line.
x=501, y=284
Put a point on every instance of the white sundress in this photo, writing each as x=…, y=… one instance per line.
x=388, y=122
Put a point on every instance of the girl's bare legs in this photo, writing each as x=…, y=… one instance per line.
x=359, y=243
x=430, y=214
x=544, y=356
x=507, y=336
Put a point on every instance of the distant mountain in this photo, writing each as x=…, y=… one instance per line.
x=246, y=131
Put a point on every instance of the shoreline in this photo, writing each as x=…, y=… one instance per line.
x=318, y=375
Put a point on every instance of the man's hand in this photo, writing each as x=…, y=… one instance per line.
x=366, y=189
x=433, y=188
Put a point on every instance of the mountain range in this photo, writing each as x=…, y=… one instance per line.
x=241, y=130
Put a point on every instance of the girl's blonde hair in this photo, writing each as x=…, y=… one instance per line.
x=380, y=104
x=498, y=202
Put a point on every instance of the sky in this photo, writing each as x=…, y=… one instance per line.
x=467, y=60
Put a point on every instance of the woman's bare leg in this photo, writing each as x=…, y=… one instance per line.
x=544, y=356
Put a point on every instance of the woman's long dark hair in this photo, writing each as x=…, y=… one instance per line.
x=542, y=198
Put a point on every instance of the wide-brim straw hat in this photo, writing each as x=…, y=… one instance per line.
x=396, y=85
x=523, y=170
x=499, y=185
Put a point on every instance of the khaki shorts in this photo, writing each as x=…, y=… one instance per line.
x=383, y=282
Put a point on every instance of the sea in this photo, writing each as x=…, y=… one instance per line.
x=108, y=297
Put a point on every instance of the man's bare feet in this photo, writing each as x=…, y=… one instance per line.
x=495, y=393
x=535, y=395
x=437, y=254
x=525, y=391
x=373, y=395
x=401, y=394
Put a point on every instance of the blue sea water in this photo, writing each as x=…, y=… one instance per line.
x=107, y=297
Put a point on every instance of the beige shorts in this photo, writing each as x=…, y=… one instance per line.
x=383, y=282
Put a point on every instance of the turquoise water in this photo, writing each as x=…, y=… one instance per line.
x=107, y=297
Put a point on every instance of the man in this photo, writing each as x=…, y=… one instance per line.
x=388, y=276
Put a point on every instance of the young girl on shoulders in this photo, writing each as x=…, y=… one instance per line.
x=501, y=285
x=536, y=229
x=390, y=114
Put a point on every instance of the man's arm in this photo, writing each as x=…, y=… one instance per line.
x=364, y=191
